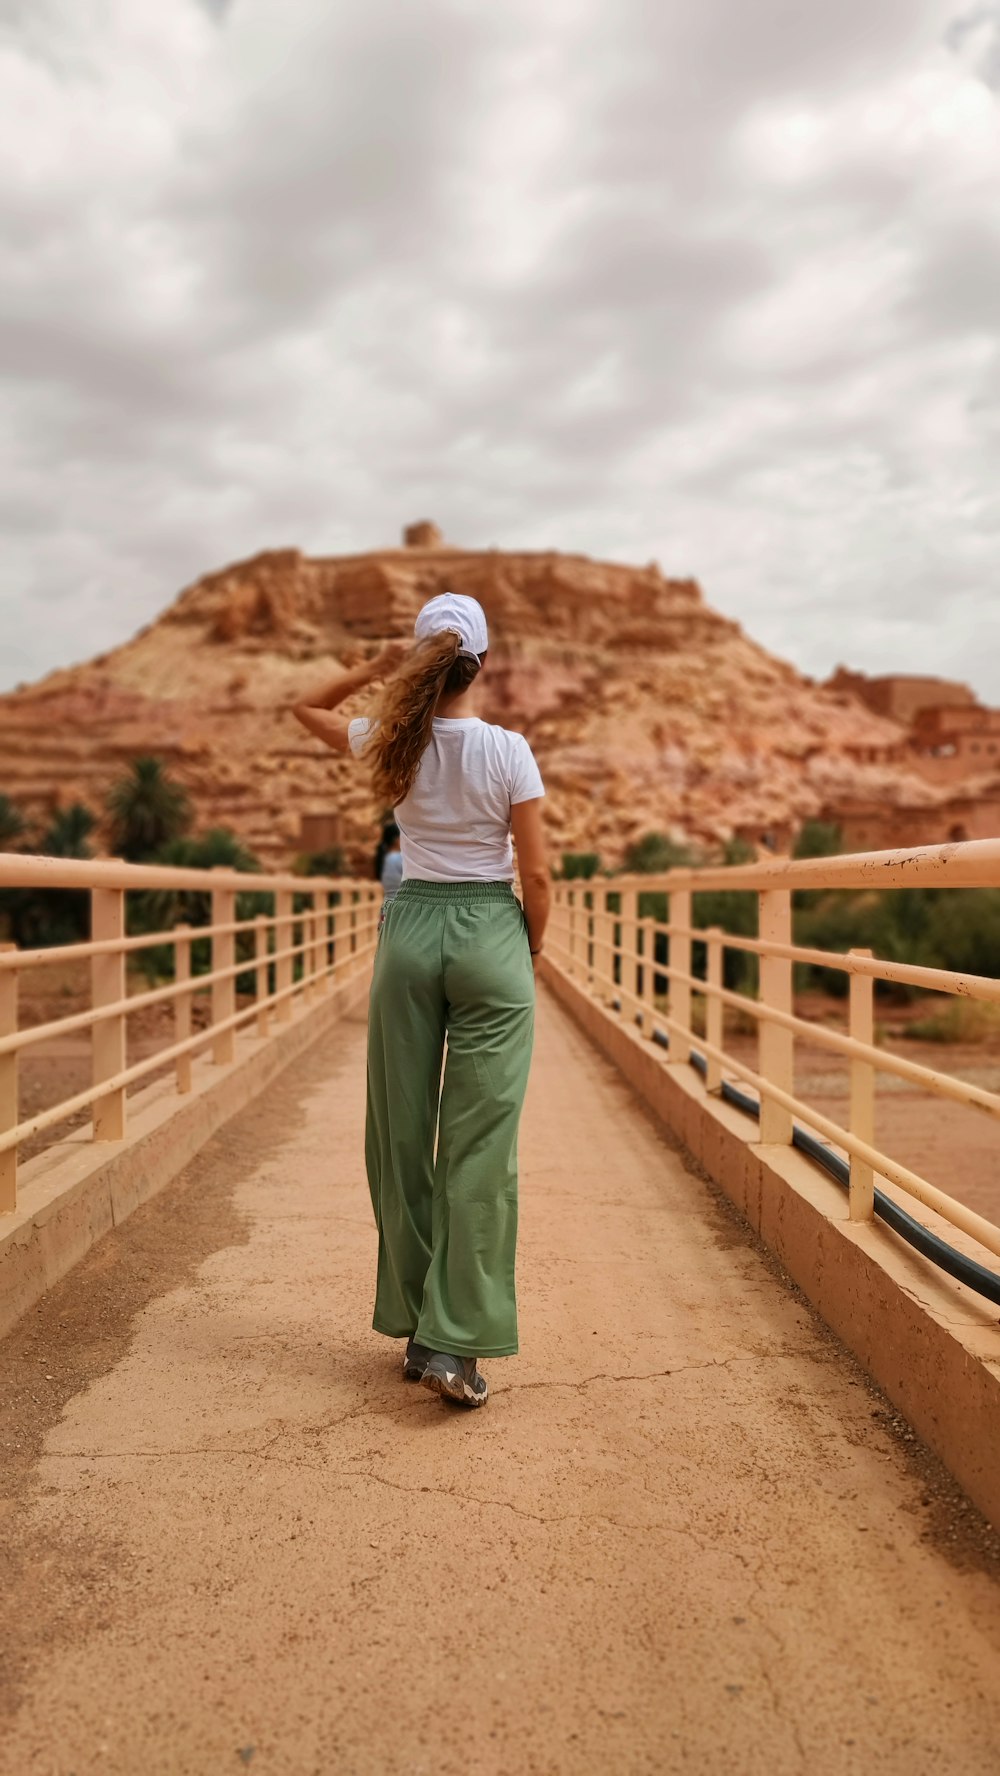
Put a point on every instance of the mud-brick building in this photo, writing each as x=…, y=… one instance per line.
x=951, y=744
x=871, y=826
x=901, y=696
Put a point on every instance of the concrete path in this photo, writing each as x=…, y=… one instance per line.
x=683, y=1535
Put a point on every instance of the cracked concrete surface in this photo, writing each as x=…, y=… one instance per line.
x=245, y=1542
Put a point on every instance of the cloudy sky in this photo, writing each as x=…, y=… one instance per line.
x=715, y=282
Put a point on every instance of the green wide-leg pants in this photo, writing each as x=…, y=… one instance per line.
x=452, y=967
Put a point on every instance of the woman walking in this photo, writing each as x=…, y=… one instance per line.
x=453, y=982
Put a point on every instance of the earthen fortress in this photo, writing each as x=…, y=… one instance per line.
x=648, y=710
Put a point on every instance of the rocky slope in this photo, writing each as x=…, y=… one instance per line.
x=648, y=710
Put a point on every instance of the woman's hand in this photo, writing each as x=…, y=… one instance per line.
x=389, y=658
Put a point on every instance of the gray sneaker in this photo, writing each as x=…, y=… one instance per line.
x=455, y=1378
x=415, y=1360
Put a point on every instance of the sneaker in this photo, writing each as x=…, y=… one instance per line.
x=455, y=1378
x=415, y=1360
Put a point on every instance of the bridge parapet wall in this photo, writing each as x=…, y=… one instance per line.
x=913, y=1294
x=248, y=991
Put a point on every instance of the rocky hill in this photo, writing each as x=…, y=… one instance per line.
x=648, y=710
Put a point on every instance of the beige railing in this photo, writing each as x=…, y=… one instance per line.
x=295, y=952
x=611, y=952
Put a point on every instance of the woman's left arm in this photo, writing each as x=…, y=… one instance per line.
x=313, y=712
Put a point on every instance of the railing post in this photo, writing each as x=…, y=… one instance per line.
x=319, y=984
x=714, y=1008
x=627, y=947
x=334, y=913
x=861, y=1026
x=308, y=951
x=182, y=1003
x=567, y=901
x=679, y=960
x=776, y=1054
x=328, y=936
x=318, y=942
x=646, y=940
x=284, y=964
x=223, y=956
x=107, y=976
x=606, y=952
x=260, y=971
x=8, y=1084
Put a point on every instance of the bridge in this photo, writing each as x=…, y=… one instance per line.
x=732, y=1508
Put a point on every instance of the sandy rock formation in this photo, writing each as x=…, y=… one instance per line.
x=647, y=709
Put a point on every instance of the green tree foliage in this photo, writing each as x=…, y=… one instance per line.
x=963, y=930
x=159, y=909
x=936, y=927
x=580, y=866
x=331, y=862
x=36, y=918
x=13, y=826
x=69, y=833
x=148, y=810
x=818, y=838
x=162, y=908
x=655, y=853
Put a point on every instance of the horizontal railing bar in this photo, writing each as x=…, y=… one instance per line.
x=971, y=863
x=936, y=980
x=162, y=1058
x=883, y=1060
x=22, y=870
x=946, y=1206
x=906, y=974
x=16, y=960
x=945, y=1085
x=913, y=974
x=83, y=1020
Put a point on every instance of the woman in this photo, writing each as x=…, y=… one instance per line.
x=455, y=961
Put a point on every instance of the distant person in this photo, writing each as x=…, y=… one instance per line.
x=390, y=872
x=455, y=961
x=381, y=848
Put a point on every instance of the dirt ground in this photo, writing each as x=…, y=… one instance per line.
x=951, y=1145
x=684, y=1535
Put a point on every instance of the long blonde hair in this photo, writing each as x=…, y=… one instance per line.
x=406, y=711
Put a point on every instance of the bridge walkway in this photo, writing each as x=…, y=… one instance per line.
x=683, y=1536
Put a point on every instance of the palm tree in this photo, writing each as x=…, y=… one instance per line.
x=157, y=909
x=37, y=917
x=148, y=810
x=68, y=834
x=13, y=825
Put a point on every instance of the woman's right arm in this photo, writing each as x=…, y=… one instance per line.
x=533, y=865
x=313, y=712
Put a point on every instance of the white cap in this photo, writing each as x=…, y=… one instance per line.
x=452, y=610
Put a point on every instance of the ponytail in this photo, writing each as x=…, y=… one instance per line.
x=406, y=712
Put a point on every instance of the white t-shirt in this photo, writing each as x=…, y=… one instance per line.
x=455, y=823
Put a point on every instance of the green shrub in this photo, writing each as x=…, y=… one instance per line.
x=654, y=853
x=580, y=866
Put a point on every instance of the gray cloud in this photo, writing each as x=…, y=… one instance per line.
x=715, y=284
